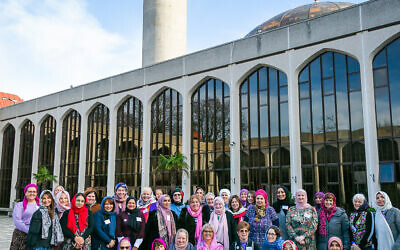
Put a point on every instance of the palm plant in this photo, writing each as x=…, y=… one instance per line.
x=173, y=164
x=44, y=178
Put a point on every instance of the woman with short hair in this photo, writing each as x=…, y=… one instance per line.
x=208, y=240
x=243, y=242
x=92, y=199
x=147, y=202
x=236, y=208
x=209, y=200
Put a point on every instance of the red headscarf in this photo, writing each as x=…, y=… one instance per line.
x=82, y=213
x=325, y=214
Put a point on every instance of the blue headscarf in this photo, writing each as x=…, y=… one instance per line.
x=112, y=216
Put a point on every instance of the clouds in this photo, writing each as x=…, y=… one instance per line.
x=48, y=45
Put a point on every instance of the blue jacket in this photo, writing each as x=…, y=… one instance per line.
x=177, y=208
x=104, y=229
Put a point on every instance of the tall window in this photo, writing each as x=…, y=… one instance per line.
x=25, y=158
x=386, y=67
x=128, y=161
x=332, y=131
x=47, y=145
x=210, y=136
x=264, y=131
x=71, y=136
x=7, y=158
x=166, y=133
x=97, y=149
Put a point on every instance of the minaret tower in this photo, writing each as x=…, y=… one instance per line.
x=164, y=30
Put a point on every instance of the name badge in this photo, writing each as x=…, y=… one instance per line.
x=308, y=216
x=249, y=248
x=285, y=207
x=145, y=211
x=138, y=219
x=125, y=220
x=168, y=218
x=107, y=221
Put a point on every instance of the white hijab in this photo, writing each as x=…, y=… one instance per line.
x=383, y=232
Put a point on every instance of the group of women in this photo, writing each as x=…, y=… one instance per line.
x=206, y=222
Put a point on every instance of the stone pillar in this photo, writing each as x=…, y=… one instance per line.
x=164, y=30
x=234, y=110
x=186, y=142
x=35, y=157
x=369, y=118
x=14, y=175
x=294, y=127
x=57, y=152
x=82, y=152
x=146, y=143
x=111, y=152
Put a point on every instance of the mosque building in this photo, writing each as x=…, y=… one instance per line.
x=307, y=99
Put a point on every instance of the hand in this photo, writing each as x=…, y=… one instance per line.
x=134, y=248
x=355, y=247
x=111, y=244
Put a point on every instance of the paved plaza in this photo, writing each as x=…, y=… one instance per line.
x=6, y=230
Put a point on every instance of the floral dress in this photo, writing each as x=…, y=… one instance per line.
x=358, y=227
x=257, y=229
x=302, y=222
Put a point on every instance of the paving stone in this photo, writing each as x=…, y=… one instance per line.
x=6, y=230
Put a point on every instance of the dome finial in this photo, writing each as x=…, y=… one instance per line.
x=316, y=1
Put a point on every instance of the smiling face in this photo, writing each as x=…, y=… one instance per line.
x=131, y=204
x=271, y=235
x=328, y=202
x=121, y=192
x=357, y=203
x=108, y=205
x=243, y=234
x=301, y=197
x=31, y=194
x=63, y=200
x=124, y=245
x=235, y=204
x=208, y=234
x=177, y=196
x=79, y=201
x=280, y=193
x=210, y=201
x=181, y=239
x=260, y=200
x=91, y=198
x=166, y=202
x=47, y=200
x=194, y=204
x=200, y=193
x=250, y=198
x=318, y=200
x=243, y=196
x=334, y=246
x=146, y=195
x=159, y=192
x=225, y=197
x=380, y=199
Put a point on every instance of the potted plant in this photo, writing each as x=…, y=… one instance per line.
x=44, y=178
x=173, y=164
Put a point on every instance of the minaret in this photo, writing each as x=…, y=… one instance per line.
x=164, y=30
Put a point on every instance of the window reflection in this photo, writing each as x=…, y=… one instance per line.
x=7, y=158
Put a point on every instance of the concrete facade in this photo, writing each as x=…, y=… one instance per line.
x=359, y=31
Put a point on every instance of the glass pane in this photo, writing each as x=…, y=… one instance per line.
x=305, y=121
x=380, y=77
x=328, y=86
x=382, y=114
x=274, y=105
x=262, y=78
x=263, y=97
x=282, y=79
x=327, y=67
x=304, y=75
x=330, y=118
x=316, y=101
x=380, y=59
x=284, y=124
x=304, y=90
x=357, y=124
x=264, y=125
x=394, y=78
x=343, y=115
x=353, y=65
x=354, y=82
x=283, y=94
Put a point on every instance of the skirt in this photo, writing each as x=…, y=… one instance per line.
x=18, y=241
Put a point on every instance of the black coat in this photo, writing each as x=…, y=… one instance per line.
x=34, y=239
x=237, y=246
x=187, y=222
x=152, y=231
x=68, y=234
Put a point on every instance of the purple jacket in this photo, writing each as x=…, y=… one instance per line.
x=22, y=219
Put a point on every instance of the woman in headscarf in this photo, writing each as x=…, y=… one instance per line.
x=63, y=203
x=236, y=208
x=131, y=223
x=332, y=221
x=281, y=206
x=318, y=198
x=182, y=241
x=161, y=223
x=120, y=196
x=251, y=199
x=335, y=243
x=243, y=196
x=387, y=222
x=91, y=199
x=260, y=217
x=193, y=218
x=105, y=223
x=77, y=224
x=361, y=224
x=58, y=189
x=208, y=240
x=289, y=245
x=124, y=244
x=177, y=204
x=273, y=239
x=225, y=194
x=158, y=244
x=223, y=223
x=302, y=222
x=22, y=215
x=45, y=230
x=146, y=202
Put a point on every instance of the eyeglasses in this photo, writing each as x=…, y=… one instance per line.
x=31, y=192
x=243, y=230
x=208, y=231
x=123, y=247
x=177, y=194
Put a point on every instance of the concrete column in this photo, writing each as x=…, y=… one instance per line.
x=57, y=152
x=35, y=158
x=82, y=152
x=186, y=142
x=111, y=153
x=234, y=110
x=14, y=175
x=369, y=118
x=146, y=144
x=164, y=30
x=294, y=127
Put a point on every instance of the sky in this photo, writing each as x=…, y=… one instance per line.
x=50, y=45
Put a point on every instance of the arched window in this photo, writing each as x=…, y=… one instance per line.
x=386, y=67
x=331, y=120
x=25, y=158
x=47, y=146
x=166, y=134
x=7, y=158
x=264, y=130
x=71, y=138
x=210, y=136
x=128, y=161
x=97, y=149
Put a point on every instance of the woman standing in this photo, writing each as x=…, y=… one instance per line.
x=22, y=215
x=77, y=224
x=63, y=203
x=91, y=199
x=200, y=192
x=208, y=240
x=332, y=222
x=105, y=223
x=236, y=208
x=302, y=222
x=177, y=204
x=45, y=230
x=223, y=223
x=260, y=217
x=387, y=222
x=318, y=198
x=243, y=196
x=210, y=201
x=281, y=206
x=225, y=194
x=193, y=218
x=251, y=198
x=146, y=202
x=120, y=196
x=131, y=223
x=161, y=223
x=361, y=224
x=182, y=241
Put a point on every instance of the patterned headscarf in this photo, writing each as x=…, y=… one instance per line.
x=325, y=214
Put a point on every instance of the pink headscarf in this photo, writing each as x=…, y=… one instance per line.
x=61, y=208
x=302, y=205
x=338, y=240
x=214, y=245
x=220, y=224
x=264, y=194
x=325, y=214
x=25, y=201
x=159, y=240
x=165, y=213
